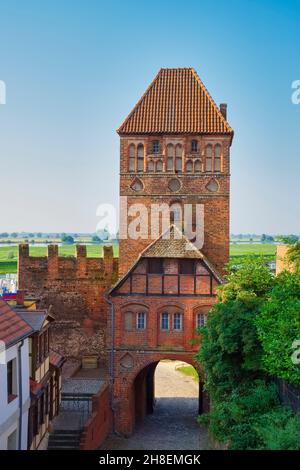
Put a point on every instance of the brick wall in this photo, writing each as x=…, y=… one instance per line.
x=100, y=423
x=74, y=287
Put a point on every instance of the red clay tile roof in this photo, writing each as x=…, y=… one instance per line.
x=176, y=102
x=12, y=326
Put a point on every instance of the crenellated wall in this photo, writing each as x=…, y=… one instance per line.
x=74, y=286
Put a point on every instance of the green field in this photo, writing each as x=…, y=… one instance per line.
x=9, y=254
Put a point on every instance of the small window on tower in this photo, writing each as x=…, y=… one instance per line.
x=217, y=158
x=155, y=146
x=187, y=266
x=208, y=153
x=189, y=166
x=194, y=146
x=198, y=166
x=159, y=166
x=155, y=266
x=132, y=158
x=140, y=160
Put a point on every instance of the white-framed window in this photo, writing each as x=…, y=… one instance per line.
x=141, y=321
x=177, y=321
x=165, y=321
x=201, y=320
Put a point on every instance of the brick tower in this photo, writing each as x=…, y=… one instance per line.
x=175, y=150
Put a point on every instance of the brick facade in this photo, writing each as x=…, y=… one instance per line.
x=74, y=287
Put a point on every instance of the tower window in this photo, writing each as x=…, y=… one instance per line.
x=217, y=162
x=141, y=321
x=189, y=166
x=187, y=266
x=159, y=166
x=170, y=157
x=132, y=158
x=155, y=266
x=194, y=146
x=198, y=166
x=177, y=322
x=155, y=146
x=208, y=155
x=140, y=159
x=151, y=166
x=165, y=321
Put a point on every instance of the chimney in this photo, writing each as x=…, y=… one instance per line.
x=223, y=109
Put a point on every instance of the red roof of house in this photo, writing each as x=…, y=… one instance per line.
x=176, y=102
x=12, y=327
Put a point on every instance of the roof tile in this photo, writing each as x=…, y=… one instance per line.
x=176, y=102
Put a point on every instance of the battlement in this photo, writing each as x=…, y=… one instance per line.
x=74, y=286
x=55, y=266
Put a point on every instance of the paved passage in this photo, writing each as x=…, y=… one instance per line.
x=173, y=424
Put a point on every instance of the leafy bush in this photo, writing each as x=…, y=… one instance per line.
x=278, y=327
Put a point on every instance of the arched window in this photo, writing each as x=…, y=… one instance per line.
x=159, y=166
x=151, y=166
x=178, y=159
x=132, y=158
x=177, y=321
x=200, y=320
x=189, y=166
x=170, y=157
x=194, y=146
x=140, y=158
x=217, y=165
x=198, y=166
x=155, y=146
x=208, y=156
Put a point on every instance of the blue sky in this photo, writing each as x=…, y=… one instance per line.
x=74, y=69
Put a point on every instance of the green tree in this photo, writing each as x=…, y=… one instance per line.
x=293, y=255
x=288, y=239
x=67, y=239
x=14, y=234
x=278, y=327
x=96, y=239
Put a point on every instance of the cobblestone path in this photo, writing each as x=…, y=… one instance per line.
x=173, y=424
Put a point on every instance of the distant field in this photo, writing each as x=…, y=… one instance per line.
x=253, y=249
x=9, y=254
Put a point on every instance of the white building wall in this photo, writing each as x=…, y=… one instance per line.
x=9, y=412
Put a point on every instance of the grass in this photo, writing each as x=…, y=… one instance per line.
x=189, y=370
x=9, y=254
